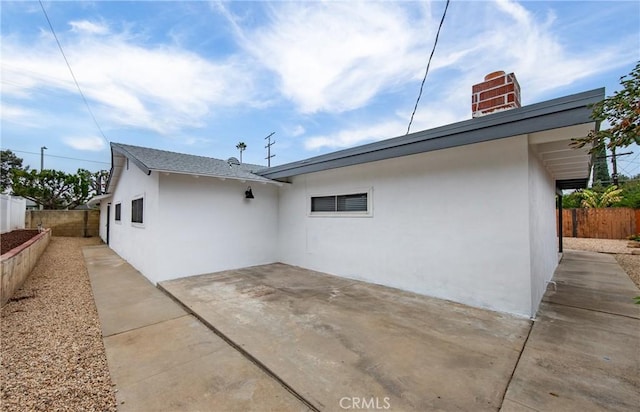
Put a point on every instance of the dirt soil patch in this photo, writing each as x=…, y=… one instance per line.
x=15, y=238
x=52, y=354
x=629, y=263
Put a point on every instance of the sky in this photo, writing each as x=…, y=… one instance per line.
x=199, y=77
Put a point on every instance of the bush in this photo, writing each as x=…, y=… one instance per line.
x=631, y=195
x=572, y=200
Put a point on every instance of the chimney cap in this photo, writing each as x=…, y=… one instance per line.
x=493, y=75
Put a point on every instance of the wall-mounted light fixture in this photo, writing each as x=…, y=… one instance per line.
x=248, y=194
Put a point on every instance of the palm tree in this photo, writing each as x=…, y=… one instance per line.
x=242, y=147
x=593, y=199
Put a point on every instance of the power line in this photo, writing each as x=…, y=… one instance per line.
x=634, y=158
x=61, y=157
x=433, y=50
x=73, y=75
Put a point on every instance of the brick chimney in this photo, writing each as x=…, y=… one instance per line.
x=498, y=92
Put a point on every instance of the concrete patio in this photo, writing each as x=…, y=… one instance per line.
x=287, y=338
x=332, y=339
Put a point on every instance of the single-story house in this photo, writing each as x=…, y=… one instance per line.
x=464, y=212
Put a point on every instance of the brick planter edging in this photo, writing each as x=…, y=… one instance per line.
x=18, y=263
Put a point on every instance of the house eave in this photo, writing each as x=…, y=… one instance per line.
x=134, y=159
x=221, y=177
x=95, y=201
x=562, y=112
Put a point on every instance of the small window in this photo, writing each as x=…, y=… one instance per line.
x=137, y=210
x=352, y=203
x=118, y=213
x=341, y=203
x=323, y=204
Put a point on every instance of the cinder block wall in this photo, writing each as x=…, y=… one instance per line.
x=71, y=223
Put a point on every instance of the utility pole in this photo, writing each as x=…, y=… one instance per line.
x=268, y=147
x=614, y=163
x=615, y=166
x=42, y=149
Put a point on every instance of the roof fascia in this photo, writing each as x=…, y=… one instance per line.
x=567, y=184
x=241, y=179
x=561, y=112
x=119, y=149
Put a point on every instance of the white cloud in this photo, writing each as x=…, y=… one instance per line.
x=191, y=141
x=393, y=126
x=329, y=57
x=506, y=36
x=160, y=88
x=88, y=27
x=354, y=135
x=16, y=114
x=297, y=131
x=517, y=40
x=337, y=56
x=89, y=143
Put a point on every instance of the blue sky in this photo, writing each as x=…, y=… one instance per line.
x=198, y=77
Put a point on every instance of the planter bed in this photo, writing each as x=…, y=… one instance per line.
x=18, y=262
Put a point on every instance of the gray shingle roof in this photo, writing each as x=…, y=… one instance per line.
x=148, y=160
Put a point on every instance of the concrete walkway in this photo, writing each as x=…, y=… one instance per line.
x=163, y=359
x=583, y=353
x=339, y=344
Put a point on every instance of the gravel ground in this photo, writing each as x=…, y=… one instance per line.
x=53, y=357
x=630, y=263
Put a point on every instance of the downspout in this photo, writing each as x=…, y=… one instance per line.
x=559, y=194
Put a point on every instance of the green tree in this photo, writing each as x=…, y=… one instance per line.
x=9, y=163
x=622, y=110
x=241, y=147
x=55, y=189
x=595, y=199
x=98, y=180
x=601, y=175
x=631, y=187
x=572, y=200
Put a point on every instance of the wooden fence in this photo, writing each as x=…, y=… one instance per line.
x=610, y=223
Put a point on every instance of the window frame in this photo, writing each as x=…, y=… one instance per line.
x=142, y=222
x=117, y=217
x=368, y=213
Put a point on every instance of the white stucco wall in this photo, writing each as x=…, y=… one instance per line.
x=542, y=229
x=102, y=230
x=136, y=243
x=206, y=225
x=453, y=224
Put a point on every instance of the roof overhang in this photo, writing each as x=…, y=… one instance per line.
x=569, y=166
x=557, y=114
x=95, y=201
x=574, y=184
x=240, y=179
x=118, y=162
